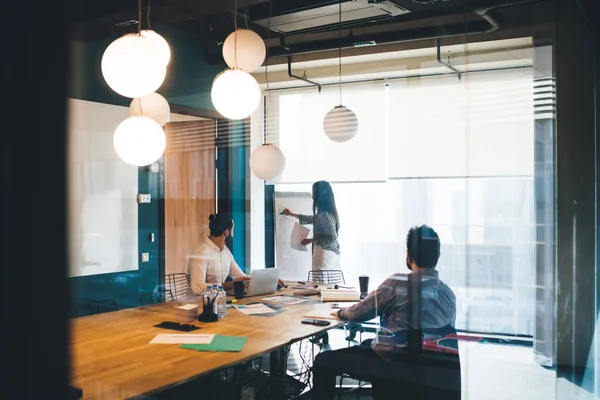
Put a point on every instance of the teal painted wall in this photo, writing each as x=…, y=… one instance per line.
x=237, y=180
x=189, y=76
x=188, y=83
x=232, y=169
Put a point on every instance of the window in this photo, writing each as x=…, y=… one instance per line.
x=458, y=156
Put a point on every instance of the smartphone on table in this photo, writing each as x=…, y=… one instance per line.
x=318, y=322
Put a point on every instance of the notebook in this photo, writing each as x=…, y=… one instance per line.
x=219, y=343
x=339, y=295
x=321, y=313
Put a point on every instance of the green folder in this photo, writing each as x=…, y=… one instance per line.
x=219, y=343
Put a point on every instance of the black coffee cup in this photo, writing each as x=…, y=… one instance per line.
x=239, y=289
x=363, y=282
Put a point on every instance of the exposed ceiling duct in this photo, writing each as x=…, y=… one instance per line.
x=489, y=20
x=327, y=15
x=292, y=27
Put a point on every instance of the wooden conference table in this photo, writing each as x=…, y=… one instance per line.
x=111, y=356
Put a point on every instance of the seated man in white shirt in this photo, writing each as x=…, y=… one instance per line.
x=212, y=261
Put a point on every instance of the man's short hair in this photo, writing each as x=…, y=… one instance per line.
x=423, y=246
x=219, y=223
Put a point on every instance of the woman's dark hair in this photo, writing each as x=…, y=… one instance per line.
x=323, y=200
x=219, y=223
x=423, y=246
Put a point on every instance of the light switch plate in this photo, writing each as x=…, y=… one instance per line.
x=154, y=167
x=145, y=257
x=144, y=198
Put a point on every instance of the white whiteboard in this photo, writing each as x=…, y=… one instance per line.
x=294, y=264
x=103, y=210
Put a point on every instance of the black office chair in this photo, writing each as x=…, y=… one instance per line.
x=178, y=284
x=328, y=276
x=146, y=298
x=409, y=371
x=102, y=306
x=163, y=294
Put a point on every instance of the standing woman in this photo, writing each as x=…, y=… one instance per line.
x=326, y=224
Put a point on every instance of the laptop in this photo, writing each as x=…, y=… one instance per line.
x=263, y=281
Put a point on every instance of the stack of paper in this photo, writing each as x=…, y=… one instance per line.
x=339, y=295
x=186, y=312
x=257, y=308
x=321, y=313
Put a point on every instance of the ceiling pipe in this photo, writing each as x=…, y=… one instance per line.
x=490, y=22
x=446, y=64
x=289, y=60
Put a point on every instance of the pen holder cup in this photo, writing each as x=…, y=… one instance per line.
x=363, y=282
x=208, y=314
x=239, y=289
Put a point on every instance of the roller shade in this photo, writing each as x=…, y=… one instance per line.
x=310, y=154
x=482, y=126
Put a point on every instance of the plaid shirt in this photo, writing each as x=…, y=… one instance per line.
x=324, y=230
x=390, y=302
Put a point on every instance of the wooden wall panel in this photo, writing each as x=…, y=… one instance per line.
x=189, y=189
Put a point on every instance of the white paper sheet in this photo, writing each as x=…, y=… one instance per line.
x=254, y=309
x=182, y=338
x=283, y=300
x=299, y=233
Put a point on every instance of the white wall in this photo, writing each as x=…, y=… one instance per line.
x=102, y=209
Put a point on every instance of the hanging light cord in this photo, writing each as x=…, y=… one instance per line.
x=235, y=11
x=340, y=50
x=140, y=33
x=140, y=17
x=140, y=6
x=246, y=14
x=148, y=16
x=268, y=102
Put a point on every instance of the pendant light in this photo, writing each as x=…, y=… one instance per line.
x=340, y=124
x=139, y=141
x=244, y=49
x=133, y=65
x=267, y=160
x=235, y=94
x=157, y=40
x=153, y=106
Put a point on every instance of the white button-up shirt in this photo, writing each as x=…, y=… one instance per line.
x=209, y=264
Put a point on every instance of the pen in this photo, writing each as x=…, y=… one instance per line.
x=302, y=283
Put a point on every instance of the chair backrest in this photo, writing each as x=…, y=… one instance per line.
x=162, y=293
x=326, y=276
x=178, y=284
x=146, y=298
x=101, y=306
